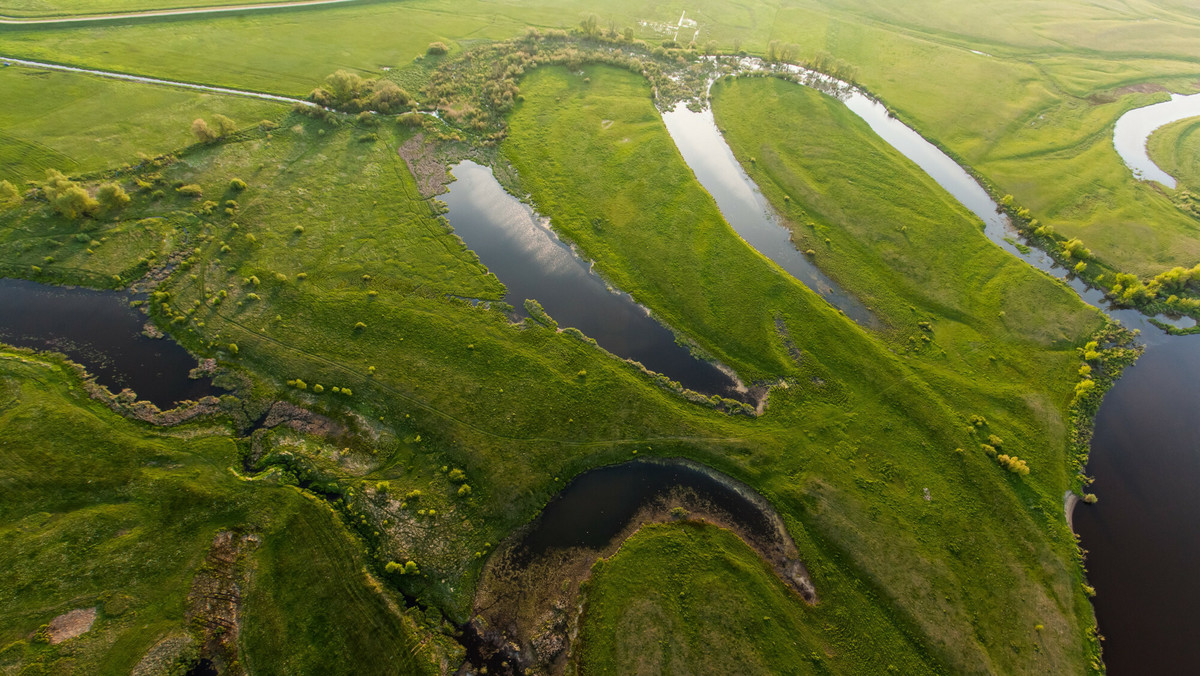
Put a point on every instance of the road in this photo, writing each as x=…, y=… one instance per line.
x=16, y=21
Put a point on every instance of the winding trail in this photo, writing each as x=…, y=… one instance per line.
x=186, y=11
x=155, y=81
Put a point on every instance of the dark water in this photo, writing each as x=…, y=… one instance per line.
x=533, y=263
x=99, y=330
x=1144, y=534
x=598, y=504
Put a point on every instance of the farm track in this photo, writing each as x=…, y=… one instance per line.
x=160, y=13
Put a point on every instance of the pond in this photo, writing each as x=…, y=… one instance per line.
x=532, y=262
x=99, y=330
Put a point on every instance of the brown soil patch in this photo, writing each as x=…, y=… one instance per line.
x=70, y=625
x=430, y=172
x=214, y=603
x=1140, y=88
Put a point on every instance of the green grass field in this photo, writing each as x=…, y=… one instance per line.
x=98, y=511
x=586, y=177
x=1175, y=148
x=693, y=598
x=79, y=123
x=844, y=453
x=330, y=232
x=60, y=8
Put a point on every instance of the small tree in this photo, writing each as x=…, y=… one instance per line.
x=8, y=192
x=437, y=48
x=388, y=97
x=74, y=202
x=202, y=131
x=112, y=196
x=225, y=126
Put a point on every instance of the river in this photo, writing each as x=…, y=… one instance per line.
x=1143, y=539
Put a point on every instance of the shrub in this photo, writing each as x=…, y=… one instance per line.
x=74, y=202
x=388, y=97
x=190, y=190
x=1013, y=464
x=464, y=490
x=457, y=475
x=203, y=133
x=112, y=196
x=8, y=191
x=318, y=388
x=995, y=440
x=233, y=348
x=237, y=185
x=225, y=126
x=300, y=384
x=437, y=48
x=988, y=449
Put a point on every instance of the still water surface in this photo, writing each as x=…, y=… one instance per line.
x=1134, y=128
x=533, y=262
x=99, y=330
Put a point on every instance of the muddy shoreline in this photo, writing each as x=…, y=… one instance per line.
x=528, y=604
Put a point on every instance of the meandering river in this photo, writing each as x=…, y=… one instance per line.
x=1145, y=456
x=1142, y=536
x=1134, y=128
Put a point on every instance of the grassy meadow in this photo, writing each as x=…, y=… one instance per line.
x=692, y=598
x=330, y=232
x=78, y=123
x=101, y=512
x=308, y=264
x=605, y=116
x=1175, y=148
x=63, y=8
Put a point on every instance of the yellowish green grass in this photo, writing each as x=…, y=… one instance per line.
x=1175, y=148
x=81, y=123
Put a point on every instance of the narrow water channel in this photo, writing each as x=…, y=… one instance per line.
x=99, y=330
x=532, y=262
x=1133, y=130
x=746, y=210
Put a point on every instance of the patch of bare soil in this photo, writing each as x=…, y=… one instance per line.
x=530, y=613
x=162, y=655
x=70, y=625
x=302, y=420
x=214, y=603
x=430, y=172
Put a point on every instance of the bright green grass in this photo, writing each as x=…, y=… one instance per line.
x=897, y=240
x=1043, y=63
x=1175, y=148
x=844, y=452
x=56, y=8
x=98, y=511
x=661, y=239
x=80, y=123
x=693, y=598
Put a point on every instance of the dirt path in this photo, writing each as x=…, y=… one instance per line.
x=17, y=21
x=7, y=60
